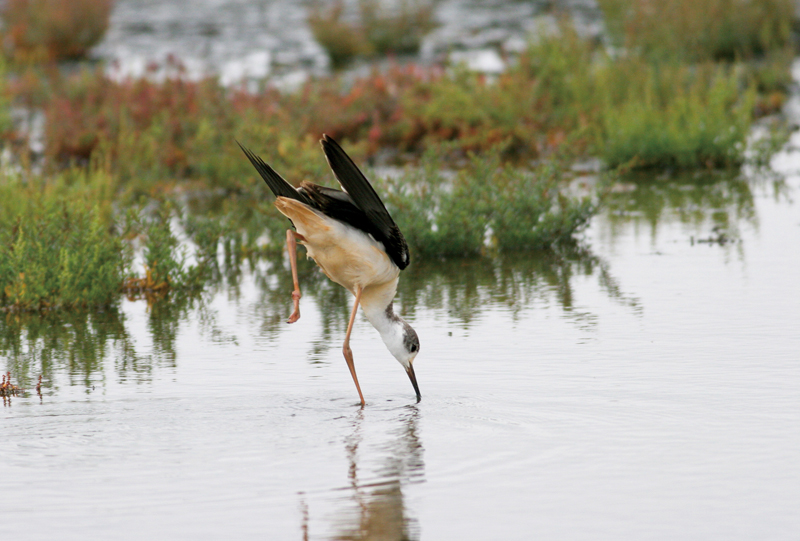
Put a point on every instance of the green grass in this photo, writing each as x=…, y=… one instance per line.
x=678, y=117
x=699, y=30
x=379, y=30
x=58, y=247
x=483, y=208
x=63, y=245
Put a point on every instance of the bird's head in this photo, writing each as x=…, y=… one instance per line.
x=403, y=342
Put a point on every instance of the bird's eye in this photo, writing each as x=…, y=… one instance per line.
x=413, y=348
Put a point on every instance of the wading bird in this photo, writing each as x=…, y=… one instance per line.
x=355, y=242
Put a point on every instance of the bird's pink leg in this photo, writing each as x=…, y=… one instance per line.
x=291, y=245
x=348, y=353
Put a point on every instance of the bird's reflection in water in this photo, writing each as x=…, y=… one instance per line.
x=376, y=503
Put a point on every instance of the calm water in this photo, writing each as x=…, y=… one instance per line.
x=643, y=388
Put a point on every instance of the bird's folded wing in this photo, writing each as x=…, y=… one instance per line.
x=360, y=190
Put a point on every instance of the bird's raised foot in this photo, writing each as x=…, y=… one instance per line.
x=296, y=313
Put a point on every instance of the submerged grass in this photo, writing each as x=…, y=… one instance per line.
x=8, y=389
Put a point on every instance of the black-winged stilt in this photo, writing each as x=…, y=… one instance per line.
x=355, y=242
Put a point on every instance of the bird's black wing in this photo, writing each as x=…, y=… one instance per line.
x=276, y=183
x=363, y=195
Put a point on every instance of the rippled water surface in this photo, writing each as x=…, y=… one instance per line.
x=645, y=387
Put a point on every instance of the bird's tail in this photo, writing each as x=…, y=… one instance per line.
x=305, y=219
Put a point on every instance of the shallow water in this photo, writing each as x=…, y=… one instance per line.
x=645, y=387
x=247, y=40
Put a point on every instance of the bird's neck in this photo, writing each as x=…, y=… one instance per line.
x=392, y=330
x=376, y=302
x=395, y=332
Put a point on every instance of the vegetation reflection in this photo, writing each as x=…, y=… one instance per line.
x=720, y=202
x=464, y=288
x=461, y=289
x=75, y=343
x=80, y=344
x=232, y=237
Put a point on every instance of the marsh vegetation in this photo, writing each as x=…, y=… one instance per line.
x=102, y=206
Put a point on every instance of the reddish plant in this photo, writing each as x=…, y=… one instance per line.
x=53, y=29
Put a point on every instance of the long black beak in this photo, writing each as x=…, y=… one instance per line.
x=413, y=379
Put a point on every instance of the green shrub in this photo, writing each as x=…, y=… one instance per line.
x=342, y=41
x=484, y=207
x=396, y=30
x=677, y=117
x=165, y=266
x=699, y=30
x=62, y=245
x=165, y=256
x=380, y=30
x=58, y=247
